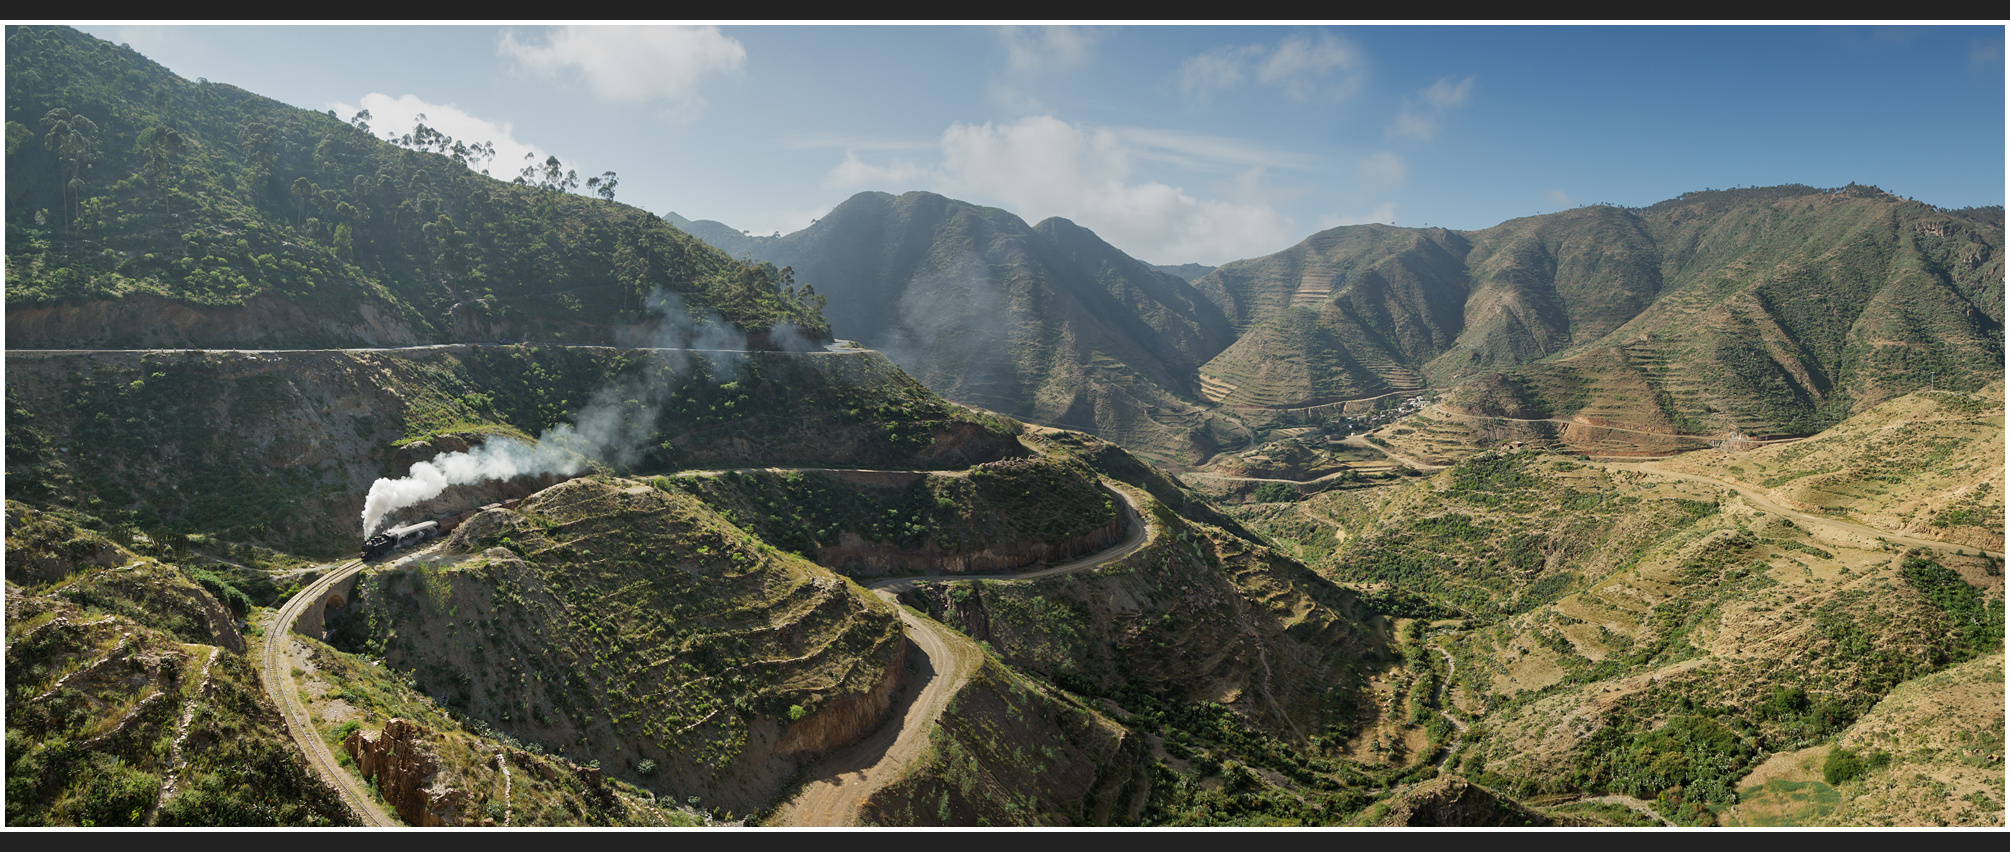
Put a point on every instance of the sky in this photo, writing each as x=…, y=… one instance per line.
x=1176, y=144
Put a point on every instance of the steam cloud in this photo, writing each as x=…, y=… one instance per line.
x=611, y=428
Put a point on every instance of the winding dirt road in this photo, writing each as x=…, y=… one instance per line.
x=847, y=776
x=275, y=673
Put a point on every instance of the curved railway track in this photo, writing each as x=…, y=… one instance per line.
x=277, y=678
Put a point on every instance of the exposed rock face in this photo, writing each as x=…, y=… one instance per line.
x=408, y=772
x=856, y=556
x=1457, y=802
x=847, y=717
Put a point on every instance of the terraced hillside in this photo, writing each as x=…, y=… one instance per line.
x=1349, y=313
x=131, y=699
x=1620, y=629
x=1759, y=312
x=617, y=620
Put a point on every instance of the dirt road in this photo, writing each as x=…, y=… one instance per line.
x=1840, y=528
x=276, y=675
x=947, y=659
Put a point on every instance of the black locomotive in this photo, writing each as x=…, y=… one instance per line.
x=399, y=538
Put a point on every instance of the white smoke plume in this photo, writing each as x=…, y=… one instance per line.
x=611, y=428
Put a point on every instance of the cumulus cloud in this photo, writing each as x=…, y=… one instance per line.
x=1318, y=67
x=1423, y=113
x=633, y=64
x=1034, y=49
x=1042, y=166
x=393, y=117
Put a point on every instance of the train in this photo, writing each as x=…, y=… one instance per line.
x=399, y=538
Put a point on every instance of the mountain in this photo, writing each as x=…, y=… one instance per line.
x=1047, y=322
x=144, y=209
x=685, y=584
x=1774, y=311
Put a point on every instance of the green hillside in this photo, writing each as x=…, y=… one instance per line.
x=144, y=209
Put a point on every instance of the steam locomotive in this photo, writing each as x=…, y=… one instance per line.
x=399, y=538
x=406, y=536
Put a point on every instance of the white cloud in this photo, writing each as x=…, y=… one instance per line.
x=397, y=116
x=1200, y=151
x=1041, y=166
x=1035, y=49
x=1445, y=94
x=1423, y=113
x=1383, y=169
x=633, y=64
x=1322, y=67
x=1384, y=213
x=1557, y=197
x=856, y=174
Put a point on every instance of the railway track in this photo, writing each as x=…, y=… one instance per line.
x=277, y=678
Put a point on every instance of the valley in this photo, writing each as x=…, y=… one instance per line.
x=1684, y=515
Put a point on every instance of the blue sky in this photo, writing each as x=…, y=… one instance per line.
x=1174, y=143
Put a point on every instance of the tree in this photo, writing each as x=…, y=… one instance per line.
x=303, y=190
x=603, y=185
x=72, y=139
x=163, y=147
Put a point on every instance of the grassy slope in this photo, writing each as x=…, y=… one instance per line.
x=272, y=225
x=1678, y=634
x=123, y=673
x=1929, y=463
x=1931, y=755
x=614, y=619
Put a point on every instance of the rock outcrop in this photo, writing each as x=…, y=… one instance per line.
x=403, y=766
x=846, y=718
x=1457, y=802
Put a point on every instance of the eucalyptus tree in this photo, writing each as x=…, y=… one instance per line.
x=72, y=138
x=163, y=147
x=603, y=185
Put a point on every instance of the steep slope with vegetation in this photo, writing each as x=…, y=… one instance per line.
x=1929, y=463
x=130, y=697
x=147, y=210
x=281, y=448
x=1631, y=633
x=614, y=619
